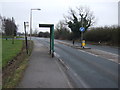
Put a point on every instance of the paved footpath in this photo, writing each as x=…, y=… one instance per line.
x=43, y=71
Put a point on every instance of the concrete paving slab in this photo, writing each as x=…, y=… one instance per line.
x=43, y=71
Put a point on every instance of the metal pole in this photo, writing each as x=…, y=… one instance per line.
x=81, y=31
x=52, y=41
x=31, y=21
x=30, y=24
x=12, y=32
x=26, y=37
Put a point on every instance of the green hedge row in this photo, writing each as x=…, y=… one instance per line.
x=103, y=34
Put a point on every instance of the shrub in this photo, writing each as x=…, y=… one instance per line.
x=103, y=34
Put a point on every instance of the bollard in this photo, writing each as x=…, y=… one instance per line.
x=83, y=43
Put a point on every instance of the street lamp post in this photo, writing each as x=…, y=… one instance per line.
x=31, y=21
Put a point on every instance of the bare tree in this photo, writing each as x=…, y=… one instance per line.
x=61, y=31
x=82, y=18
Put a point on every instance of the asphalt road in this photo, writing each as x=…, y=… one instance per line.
x=86, y=70
x=110, y=49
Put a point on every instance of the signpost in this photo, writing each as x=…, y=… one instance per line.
x=12, y=32
x=26, y=37
x=82, y=29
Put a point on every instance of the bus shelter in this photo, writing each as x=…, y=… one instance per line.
x=51, y=26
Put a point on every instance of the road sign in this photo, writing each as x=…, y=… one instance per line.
x=82, y=29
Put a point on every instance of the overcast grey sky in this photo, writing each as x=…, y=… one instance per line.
x=105, y=11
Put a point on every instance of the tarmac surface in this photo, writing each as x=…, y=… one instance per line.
x=43, y=71
x=86, y=69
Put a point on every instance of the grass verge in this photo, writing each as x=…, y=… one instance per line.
x=12, y=36
x=9, y=50
x=12, y=80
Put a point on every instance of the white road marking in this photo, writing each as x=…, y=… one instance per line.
x=75, y=74
x=107, y=52
x=101, y=56
x=57, y=55
x=68, y=82
x=61, y=61
x=85, y=85
x=64, y=64
x=88, y=53
x=67, y=67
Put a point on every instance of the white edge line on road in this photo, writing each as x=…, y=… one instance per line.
x=80, y=79
x=107, y=52
x=98, y=56
x=58, y=56
x=69, y=84
x=61, y=61
x=64, y=63
x=75, y=74
x=88, y=53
